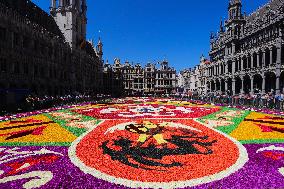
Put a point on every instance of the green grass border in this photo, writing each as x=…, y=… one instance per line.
x=226, y=129
x=76, y=131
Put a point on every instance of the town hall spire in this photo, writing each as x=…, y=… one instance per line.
x=71, y=18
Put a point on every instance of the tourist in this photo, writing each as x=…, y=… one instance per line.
x=281, y=99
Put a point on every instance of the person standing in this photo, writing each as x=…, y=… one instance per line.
x=281, y=101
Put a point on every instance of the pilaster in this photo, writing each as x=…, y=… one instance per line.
x=251, y=84
x=258, y=59
x=233, y=66
x=263, y=84
x=251, y=61
x=234, y=86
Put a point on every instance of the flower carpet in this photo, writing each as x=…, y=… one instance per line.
x=142, y=143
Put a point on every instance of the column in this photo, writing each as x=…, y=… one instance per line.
x=233, y=66
x=215, y=85
x=242, y=64
x=263, y=58
x=251, y=60
x=251, y=84
x=53, y=4
x=258, y=59
x=226, y=85
x=263, y=84
x=277, y=84
x=220, y=68
x=234, y=86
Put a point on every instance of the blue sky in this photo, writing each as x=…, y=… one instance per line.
x=152, y=30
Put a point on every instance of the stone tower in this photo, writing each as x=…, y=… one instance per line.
x=236, y=19
x=99, y=49
x=234, y=25
x=70, y=16
x=235, y=10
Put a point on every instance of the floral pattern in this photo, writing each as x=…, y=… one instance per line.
x=142, y=143
x=135, y=111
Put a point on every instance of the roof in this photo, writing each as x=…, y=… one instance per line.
x=207, y=62
x=271, y=7
x=31, y=11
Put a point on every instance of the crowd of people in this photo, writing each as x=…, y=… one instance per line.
x=35, y=102
x=270, y=100
x=256, y=99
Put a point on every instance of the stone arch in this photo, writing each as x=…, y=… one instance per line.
x=218, y=85
x=230, y=86
x=274, y=55
x=270, y=81
x=245, y=62
x=207, y=84
x=223, y=87
x=230, y=67
x=257, y=82
x=238, y=85
x=212, y=86
x=236, y=65
x=247, y=84
x=267, y=57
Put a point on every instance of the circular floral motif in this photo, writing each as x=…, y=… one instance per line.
x=157, y=153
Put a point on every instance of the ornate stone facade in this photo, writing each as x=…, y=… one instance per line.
x=248, y=51
x=194, y=80
x=130, y=79
x=38, y=56
x=166, y=81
